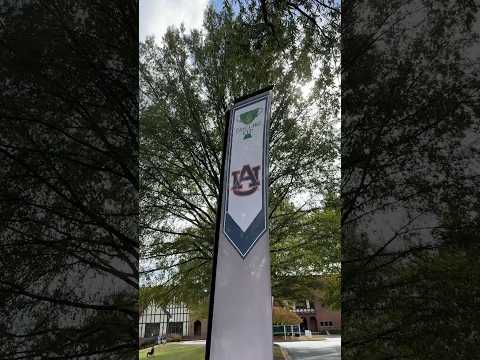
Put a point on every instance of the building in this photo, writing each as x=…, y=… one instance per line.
x=176, y=320
x=317, y=318
x=172, y=320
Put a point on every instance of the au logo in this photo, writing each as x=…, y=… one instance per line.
x=246, y=176
x=247, y=118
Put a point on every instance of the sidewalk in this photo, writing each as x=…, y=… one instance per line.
x=328, y=349
x=193, y=342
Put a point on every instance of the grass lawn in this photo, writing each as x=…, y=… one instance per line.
x=174, y=351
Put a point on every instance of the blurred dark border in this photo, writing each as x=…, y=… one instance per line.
x=69, y=179
x=410, y=180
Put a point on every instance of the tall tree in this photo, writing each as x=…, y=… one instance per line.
x=187, y=83
x=68, y=201
x=410, y=151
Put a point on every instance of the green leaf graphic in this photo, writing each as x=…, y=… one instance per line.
x=249, y=116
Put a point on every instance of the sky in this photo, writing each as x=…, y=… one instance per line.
x=156, y=15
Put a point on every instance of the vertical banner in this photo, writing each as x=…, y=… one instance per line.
x=240, y=319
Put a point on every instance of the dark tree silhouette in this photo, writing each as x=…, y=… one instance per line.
x=68, y=203
x=410, y=155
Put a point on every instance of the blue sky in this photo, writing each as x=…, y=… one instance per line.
x=217, y=3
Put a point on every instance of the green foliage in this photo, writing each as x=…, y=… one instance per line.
x=69, y=179
x=149, y=295
x=410, y=215
x=199, y=311
x=282, y=316
x=187, y=84
x=329, y=294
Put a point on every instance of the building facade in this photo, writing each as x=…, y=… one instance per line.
x=176, y=320
x=317, y=318
x=172, y=320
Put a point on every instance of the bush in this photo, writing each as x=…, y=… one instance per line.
x=284, y=316
x=147, y=342
x=174, y=338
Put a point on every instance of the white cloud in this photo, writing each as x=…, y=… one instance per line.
x=157, y=15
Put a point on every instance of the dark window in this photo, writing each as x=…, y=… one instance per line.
x=175, y=328
x=152, y=329
x=304, y=324
x=330, y=323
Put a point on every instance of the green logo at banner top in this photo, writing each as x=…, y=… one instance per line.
x=249, y=116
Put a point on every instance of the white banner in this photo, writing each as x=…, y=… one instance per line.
x=242, y=307
x=246, y=174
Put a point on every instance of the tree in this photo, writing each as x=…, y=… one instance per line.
x=282, y=316
x=409, y=125
x=187, y=84
x=68, y=202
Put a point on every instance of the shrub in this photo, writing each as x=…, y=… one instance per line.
x=147, y=342
x=282, y=316
x=174, y=338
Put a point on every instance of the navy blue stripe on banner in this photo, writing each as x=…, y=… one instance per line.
x=244, y=240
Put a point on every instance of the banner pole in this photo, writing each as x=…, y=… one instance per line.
x=240, y=291
x=217, y=239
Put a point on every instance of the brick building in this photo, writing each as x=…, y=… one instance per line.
x=177, y=320
x=318, y=318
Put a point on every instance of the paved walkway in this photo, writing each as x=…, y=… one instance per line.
x=193, y=342
x=328, y=349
